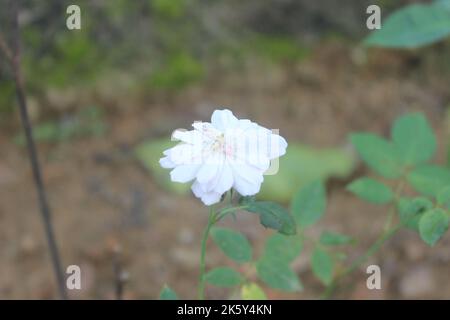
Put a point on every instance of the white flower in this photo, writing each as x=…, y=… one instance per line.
x=226, y=153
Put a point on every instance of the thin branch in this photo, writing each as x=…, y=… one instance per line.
x=14, y=55
x=5, y=49
x=120, y=276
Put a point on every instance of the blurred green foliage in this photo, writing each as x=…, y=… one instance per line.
x=75, y=60
x=303, y=164
x=170, y=9
x=413, y=26
x=87, y=122
x=178, y=71
x=167, y=41
x=7, y=95
x=278, y=49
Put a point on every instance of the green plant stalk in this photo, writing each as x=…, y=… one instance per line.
x=387, y=233
x=214, y=217
x=371, y=251
x=224, y=212
x=201, y=286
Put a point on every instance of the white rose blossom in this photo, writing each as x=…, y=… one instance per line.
x=226, y=153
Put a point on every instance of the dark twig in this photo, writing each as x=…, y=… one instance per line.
x=120, y=276
x=5, y=49
x=14, y=57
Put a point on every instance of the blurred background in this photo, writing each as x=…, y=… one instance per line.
x=105, y=99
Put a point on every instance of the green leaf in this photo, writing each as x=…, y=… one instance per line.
x=443, y=197
x=414, y=138
x=413, y=26
x=303, y=164
x=322, y=265
x=411, y=210
x=283, y=248
x=429, y=179
x=167, y=294
x=380, y=155
x=334, y=239
x=233, y=244
x=251, y=291
x=224, y=277
x=432, y=226
x=278, y=275
x=309, y=204
x=274, y=216
x=371, y=190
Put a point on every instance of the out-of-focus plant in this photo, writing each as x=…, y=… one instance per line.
x=402, y=161
x=278, y=49
x=413, y=26
x=176, y=72
x=87, y=122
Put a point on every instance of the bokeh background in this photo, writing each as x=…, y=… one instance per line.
x=105, y=99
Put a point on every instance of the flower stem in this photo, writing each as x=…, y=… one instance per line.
x=222, y=213
x=201, y=286
x=371, y=251
x=388, y=232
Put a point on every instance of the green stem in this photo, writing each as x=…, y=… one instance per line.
x=201, y=286
x=371, y=251
x=387, y=233
x=221, y=214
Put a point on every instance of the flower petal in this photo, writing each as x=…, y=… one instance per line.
x=278, y=146
x=247, y=179
x=184, y=153
x=224, y=181
x=191, y=136
x=184, y=173
x=208, y=198
x=223, y=120
x=166, y=163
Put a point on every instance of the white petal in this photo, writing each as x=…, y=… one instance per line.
x=247, y=179
x=184, y=173
x=210, y=170
x=211, y=198
x=208, y=198
x=206, y=130
x=278, y=146
x=185, y=154
x=225, y=180
x=191, y=136
x=207, y=173
x=166, y=163
x=245, y=124
x=223, y=120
